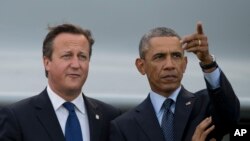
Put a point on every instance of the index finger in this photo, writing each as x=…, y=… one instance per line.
x=199, y=28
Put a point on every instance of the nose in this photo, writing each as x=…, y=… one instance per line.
x=168, y=63
x=75, y=62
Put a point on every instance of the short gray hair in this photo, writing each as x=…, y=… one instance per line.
x=155, y=32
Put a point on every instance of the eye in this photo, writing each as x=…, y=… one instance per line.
x=66, y=56
x=82, y=57
x=158, y=56
x=177, y=55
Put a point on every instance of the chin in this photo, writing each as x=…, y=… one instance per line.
x=74, y=87
x=171, y=88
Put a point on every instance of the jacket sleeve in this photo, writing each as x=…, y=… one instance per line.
x=225, y=106
x=115, y=133
x=9, y=128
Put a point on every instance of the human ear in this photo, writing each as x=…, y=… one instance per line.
x=46, y=63
x=140, y=65
x=185, y=64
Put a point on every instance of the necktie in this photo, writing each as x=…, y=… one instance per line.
x=167, y=121
x=72, y=129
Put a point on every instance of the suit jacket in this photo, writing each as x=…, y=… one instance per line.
x=141, y=124
x=34, y=119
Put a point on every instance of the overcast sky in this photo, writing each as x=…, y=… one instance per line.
x=117, y=27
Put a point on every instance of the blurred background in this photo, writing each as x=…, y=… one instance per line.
x=117, y=27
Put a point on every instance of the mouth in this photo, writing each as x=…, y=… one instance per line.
x=169, y=77
x=73, y=75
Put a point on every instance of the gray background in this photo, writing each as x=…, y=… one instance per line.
x=117, y=27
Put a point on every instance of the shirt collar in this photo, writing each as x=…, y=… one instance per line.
x=157, y=99
x=79, y=103
x=58, y=101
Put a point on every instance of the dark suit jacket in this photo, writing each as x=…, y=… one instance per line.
x=141, y=124
x=34, y=119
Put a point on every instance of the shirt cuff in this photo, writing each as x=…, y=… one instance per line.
x=213, y=78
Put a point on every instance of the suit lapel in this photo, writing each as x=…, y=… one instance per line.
x=95, y=119
x=183, y=108
x=147, y=120
x=46, y=115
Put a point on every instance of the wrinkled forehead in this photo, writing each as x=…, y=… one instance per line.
x=166, y=42
x=163, y=45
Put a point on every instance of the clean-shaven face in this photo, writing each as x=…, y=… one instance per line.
x=69, y=65
x=164, y=64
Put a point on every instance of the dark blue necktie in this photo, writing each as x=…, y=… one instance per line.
x=72, y=129
x=167, y=121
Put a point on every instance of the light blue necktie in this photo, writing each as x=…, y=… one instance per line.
x=167, y=121
x=72, y=129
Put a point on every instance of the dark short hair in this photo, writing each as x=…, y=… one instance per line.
x=64, y=28
x=155, y=32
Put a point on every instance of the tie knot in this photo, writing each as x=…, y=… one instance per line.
x=69, y=106
x=167, y=103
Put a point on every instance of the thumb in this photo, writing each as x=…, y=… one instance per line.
x=199, y=27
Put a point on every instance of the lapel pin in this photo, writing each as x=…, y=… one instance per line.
x=188, y=103
x=97, y=117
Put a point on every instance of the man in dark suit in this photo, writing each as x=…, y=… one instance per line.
x=162, y=60
x=61, y=112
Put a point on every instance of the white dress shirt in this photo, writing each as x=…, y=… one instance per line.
x=62, y=113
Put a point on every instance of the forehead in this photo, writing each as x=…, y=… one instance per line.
x=164, y=44
x=69, y=37
x=69, y=40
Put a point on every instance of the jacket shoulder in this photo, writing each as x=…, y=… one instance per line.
x=105, y=108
